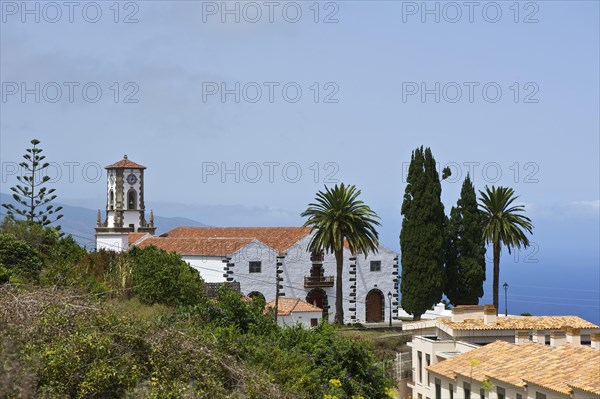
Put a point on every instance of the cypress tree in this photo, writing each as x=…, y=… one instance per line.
x=465, y=256
x=422, y=239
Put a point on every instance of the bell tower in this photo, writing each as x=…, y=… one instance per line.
x=125, y=208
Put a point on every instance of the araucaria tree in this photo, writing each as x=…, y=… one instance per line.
x=337, y=216
x=465, y=259
x=32, y=197
x=503, y=224
x=422, y=239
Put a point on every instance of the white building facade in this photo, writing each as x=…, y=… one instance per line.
x=369, y=283
x=259, y=257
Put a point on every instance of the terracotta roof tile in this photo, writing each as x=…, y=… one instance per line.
x=125, y=163
x=288, y=306
x=278, y=238
x=196, y=246
x=134, y=237
x=520, y=323
x=555, y=368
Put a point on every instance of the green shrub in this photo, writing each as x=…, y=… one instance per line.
x=19, y=258
x=162, y=277
x=42, y=239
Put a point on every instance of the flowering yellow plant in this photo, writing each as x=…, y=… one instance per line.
x=335, y=382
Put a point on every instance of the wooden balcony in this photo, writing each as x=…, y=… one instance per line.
x=314, y=282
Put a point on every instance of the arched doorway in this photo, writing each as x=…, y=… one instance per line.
x=255, y=295
x=318, y=297
x=374, y=306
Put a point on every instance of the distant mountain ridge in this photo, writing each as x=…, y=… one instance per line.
x=80, y=222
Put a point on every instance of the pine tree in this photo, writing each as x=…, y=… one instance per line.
x=465, y=256
x=31, y=196
x=422, y=239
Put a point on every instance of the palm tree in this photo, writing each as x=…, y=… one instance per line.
x=503, y=223
x=339, y=216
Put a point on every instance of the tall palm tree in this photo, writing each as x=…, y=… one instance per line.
x=503, y=224
x=338, y=216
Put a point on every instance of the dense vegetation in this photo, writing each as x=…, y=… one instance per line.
x=78, y=324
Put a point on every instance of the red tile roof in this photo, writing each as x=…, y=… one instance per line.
x=520, y=323
x=196, y=246
x=134, y=237
x=125, y=163
x=288, y=306
x=556, y=368
x=278, y=238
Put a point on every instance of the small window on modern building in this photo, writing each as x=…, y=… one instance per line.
x=539, y=395
x=451, y=389
x=255, y=267
x=375, y=265
x=427, y=364
x=482, y=393
x=438, y=389
x=501, y=392
x=420, y=365
x=467, y=388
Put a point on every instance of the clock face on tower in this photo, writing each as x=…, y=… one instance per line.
x=131, y=179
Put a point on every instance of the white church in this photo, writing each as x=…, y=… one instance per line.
x=265, y=261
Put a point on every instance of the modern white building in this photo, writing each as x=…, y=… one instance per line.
x=265, y=261
x=502, y=370
x=471, y=327
x=125, y=208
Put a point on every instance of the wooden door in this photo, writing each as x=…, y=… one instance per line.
x=374, y=306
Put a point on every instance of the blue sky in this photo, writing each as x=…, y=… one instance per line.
x=357, y=120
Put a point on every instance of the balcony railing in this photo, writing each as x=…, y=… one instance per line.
x=312, y=282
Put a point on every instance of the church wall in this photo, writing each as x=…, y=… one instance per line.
x=263, y=282
x=210, y=267
x=111, y=242
x=366, y=280
x=297, y=265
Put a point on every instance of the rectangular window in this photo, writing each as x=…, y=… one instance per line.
x=427, y=364
x=539, y=395
x=451, y=389
x=519, y=396
x=314, y=322
x=467, y=388
x=482, y=393
x=501, y=392
x=420, y=365
x=255, y=266
x=438, y=389
x=375, y=265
